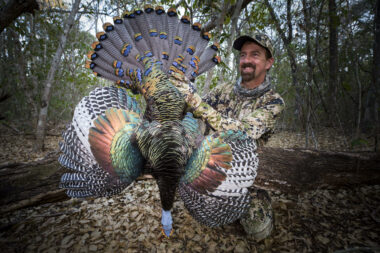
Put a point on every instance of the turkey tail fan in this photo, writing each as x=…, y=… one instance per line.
x=215, y=185
x=179, y=45
x=86, y=150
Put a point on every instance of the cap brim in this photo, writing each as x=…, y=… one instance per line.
x=239, y=42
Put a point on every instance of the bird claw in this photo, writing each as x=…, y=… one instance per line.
x=166, y=232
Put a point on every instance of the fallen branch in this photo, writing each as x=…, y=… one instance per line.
x=10, y=164
x=49, y=157
x=375, y=215
x=301, y=169
x=40, y=199
x=359, y=249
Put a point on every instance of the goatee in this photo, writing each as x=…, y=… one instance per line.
x=247, y=77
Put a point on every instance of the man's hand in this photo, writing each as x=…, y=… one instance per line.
x=184, y=86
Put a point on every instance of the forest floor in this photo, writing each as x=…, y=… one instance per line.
x=325, y=219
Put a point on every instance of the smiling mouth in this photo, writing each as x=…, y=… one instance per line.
x=248, y=68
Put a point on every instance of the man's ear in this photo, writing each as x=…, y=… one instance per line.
x=269, y=63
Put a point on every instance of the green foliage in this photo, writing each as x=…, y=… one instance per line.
x=346, y=86
x=359, y=142
x=35, y=38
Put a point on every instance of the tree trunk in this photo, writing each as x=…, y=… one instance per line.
x=208, y=82
x=23, y=78
x=376, y=75
x=234, y=20
x=359, y=116
x=371, y=104
x=42, y=117
x=15, y=8
x=316, y=57
x=309, y=77
x=292, y=56
x=333, y=51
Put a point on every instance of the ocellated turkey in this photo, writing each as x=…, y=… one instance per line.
x=110, y=140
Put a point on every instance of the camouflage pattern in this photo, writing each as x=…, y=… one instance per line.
x=261, y=38
x=183, y=84
x=258, y=221
x=224, y=110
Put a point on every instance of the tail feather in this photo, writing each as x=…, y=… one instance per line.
x=177, y=39
x=160, y=19
x=141, y=34
x=179, y=45
x=194, y=37
x=153, y=24
x=208, y=58
x=126, y=33
x=101, y=72
x=113, y=37
x=172, y=21
x=143, y=22
x=111, y=43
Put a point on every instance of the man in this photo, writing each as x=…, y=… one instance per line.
x=250, y=105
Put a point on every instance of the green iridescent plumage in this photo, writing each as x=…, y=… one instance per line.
x=110, y=143
x=125, y=156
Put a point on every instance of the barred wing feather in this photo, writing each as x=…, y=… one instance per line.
x=103, y=122
x=218, y=174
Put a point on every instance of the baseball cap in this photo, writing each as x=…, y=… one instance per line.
x=261, y=38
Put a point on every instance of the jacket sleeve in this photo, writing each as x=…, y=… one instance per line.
x=256, y=123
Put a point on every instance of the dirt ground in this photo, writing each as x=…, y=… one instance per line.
x=326, y=219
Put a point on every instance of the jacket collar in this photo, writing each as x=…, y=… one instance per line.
x=253, y=93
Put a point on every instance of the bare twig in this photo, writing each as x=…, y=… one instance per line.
x=14, y=129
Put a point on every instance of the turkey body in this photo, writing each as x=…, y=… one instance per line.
x=110, y=141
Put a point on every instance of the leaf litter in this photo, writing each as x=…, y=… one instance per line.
x=323, y=220
x=344, y=219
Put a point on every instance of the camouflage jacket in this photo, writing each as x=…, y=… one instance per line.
x=226, y=108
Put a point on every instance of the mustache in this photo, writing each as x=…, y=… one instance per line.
x=244, y=65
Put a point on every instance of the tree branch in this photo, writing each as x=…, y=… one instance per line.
x=214, y=20
x=14, y=9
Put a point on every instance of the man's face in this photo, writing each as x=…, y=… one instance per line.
x=253, y=62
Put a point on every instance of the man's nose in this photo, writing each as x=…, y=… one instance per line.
x=246, y=59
